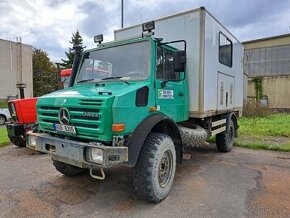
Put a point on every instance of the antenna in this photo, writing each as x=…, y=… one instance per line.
x=122, y=13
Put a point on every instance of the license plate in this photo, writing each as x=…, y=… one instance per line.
x=65, y=128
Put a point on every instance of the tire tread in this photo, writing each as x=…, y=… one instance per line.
x=143, y=173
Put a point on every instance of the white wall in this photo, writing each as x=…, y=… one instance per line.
x=15, y=67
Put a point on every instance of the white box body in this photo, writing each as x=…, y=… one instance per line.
x=214, y=88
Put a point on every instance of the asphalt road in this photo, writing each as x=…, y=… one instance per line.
x=242, y=183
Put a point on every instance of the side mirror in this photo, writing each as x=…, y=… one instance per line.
x=179, y=61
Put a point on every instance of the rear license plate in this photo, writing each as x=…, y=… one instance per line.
x=65, y=128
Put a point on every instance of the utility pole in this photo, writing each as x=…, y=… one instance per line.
x=122, y=13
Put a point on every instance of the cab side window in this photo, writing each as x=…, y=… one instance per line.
x=164, y=65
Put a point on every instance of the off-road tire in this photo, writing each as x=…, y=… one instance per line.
x=2, y=119
x=225, y=140
x=150, y=182
x=67, y=169
x=18, y=141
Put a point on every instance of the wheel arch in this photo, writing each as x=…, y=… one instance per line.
x=157, y=123
x=232, y=116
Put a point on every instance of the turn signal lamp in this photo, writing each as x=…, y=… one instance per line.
x=152, y=109
x=118, y=127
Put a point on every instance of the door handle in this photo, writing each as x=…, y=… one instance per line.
x=180, y=94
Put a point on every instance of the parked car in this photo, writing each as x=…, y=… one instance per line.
x=4, y=115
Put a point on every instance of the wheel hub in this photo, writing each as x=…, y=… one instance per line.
x=165, y=168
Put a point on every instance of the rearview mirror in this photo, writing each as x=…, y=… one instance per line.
x=179, y=61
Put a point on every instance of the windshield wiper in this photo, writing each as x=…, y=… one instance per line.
x=116, y=77
x=85, y=80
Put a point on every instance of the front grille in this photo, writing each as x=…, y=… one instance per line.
x=91, y=102
x=86, y=116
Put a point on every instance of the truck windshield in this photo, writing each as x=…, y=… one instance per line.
x=126, y=62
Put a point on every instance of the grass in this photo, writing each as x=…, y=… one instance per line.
x=272, y=125
x=4, y=140
x=3, y=104
x=263, y=146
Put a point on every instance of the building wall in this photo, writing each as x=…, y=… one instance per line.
x=275, y=88
x=268, y=42
x=15, y=67
x=269, y=58
x=268, y=61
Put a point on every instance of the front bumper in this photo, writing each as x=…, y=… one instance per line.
x=74, y=152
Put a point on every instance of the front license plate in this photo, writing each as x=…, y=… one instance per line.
x=65, y=128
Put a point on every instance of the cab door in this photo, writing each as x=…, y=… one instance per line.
x=170, y=86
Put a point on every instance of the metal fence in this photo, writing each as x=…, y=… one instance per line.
x=269, y=61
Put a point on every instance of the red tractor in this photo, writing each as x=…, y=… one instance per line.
x=23, y=114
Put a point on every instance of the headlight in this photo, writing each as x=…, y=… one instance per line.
x=96, y=155
x=32, y=141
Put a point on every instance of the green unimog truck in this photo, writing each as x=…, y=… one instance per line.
x=140, y=99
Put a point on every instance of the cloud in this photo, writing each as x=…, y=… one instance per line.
x=49, y=24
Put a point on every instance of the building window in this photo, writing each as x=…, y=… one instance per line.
x=164, y=65
x=225, y=50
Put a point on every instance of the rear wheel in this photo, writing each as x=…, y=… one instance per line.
x=225, y=140
x=155, y=169
x=67, y=169
x=2, y=119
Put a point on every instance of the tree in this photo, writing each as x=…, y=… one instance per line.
x=76, y=39
x=44, y=73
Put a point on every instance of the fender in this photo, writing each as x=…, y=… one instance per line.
x=157, y=123
x=232, y=116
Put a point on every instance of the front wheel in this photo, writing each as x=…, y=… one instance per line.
x=67, y=169
x=225, y=140
x=155, y=169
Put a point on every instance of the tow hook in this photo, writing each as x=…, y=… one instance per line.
x=102, y=177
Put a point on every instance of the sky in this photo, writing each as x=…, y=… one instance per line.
x=49, y=24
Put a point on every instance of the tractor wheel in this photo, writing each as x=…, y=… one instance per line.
x=18, y=141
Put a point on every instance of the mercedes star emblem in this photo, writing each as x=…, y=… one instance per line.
x=63, y=116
